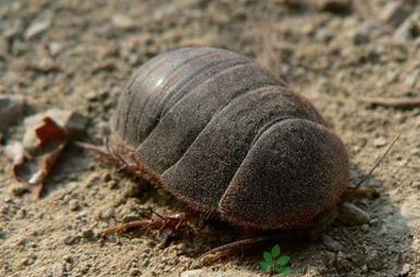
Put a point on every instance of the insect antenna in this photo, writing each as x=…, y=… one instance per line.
x=354, y=192
x=378, y=162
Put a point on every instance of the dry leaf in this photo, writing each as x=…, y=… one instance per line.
x=34, y=169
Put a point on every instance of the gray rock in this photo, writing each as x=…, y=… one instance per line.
x=71, y=239
x=54, y=48
x=36, y=28
x=12, y=110
x=122, y=22
x=380, y=141
x=409, y=29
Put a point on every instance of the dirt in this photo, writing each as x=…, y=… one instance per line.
x=78, y=55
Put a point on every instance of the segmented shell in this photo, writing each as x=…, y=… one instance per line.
x=225, y=135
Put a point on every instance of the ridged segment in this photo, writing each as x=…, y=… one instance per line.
x=212, y=160
x=294, y=171
x=180, y=126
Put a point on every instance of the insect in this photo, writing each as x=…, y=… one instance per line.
x=226, y=137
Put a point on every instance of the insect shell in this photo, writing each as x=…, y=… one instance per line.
x=223, y=135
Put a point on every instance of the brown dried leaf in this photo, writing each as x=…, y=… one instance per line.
x=34, y=170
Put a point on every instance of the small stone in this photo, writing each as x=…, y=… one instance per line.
x=365, y=228
x=324, y=35
x=54, y=48
x=395, y=12
x=135, y=272
x=71, y=239
x=379, y=142
x=36, y=28
x=12, y=110
x=3, y=233
x=89, y=234
x=68, y=259
x=334, y=6
x=409, y=29
x=74, y=205
x=331, y=244
x=123, y=22
x=405, y=270
x=21, y=214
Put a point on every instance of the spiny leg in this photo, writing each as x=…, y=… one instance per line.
x=352, y=193
x=165, y=226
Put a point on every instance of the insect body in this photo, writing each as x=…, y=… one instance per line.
x=225, y=136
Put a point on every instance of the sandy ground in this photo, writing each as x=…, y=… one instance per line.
x=78, y=55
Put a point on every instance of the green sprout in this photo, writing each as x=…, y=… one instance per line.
x=270, y=262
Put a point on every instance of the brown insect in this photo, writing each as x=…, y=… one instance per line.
x=226, y=137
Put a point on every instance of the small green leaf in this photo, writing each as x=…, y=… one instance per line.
x=275, y=251
x=284, y=271
x=265, y=266
x=283, y=260
x=267, y=257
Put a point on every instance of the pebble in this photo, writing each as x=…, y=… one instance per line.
x=405, y=270
x=71, y=239
x=331, y=244
x=135, y=272
x=89, y=234
x=379, y=142
x=3, y=233
x=365, y=228
x=54, y=48
x=122, y=22
x=394, y=13
x=36, y=28
x=74, y=205
x=12, y=110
